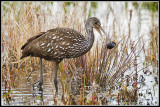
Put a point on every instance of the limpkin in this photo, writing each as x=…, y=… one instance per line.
x=60, y=43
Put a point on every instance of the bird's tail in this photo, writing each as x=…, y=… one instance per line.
x=24, y=55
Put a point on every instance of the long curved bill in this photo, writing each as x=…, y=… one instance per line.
x=99, y=29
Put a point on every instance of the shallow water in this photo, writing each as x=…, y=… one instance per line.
x=27, y=95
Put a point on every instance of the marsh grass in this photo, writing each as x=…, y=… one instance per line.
x=82, y=79
x=108, y=68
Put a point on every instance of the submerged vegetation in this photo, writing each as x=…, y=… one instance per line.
x=96, y=78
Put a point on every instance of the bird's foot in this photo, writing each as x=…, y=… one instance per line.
x=39, y=85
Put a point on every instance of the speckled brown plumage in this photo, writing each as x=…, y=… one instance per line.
x=56, y=44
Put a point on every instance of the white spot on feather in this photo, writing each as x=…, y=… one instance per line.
x=60, y=38
x=48, y=45
x=42, y=44
x=67, y=44
x=61, y=47
x=54, y=37
x=55, y=53
x=49, y=50
x=63, y=43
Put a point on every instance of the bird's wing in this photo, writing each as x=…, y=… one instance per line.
x=53, y=44
x=31, y=39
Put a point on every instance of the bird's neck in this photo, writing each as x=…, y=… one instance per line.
x=90, y=37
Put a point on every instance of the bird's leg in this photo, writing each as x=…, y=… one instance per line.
x=55, y=78
x=41, y=76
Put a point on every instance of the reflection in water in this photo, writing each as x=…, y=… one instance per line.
x=38, y=93
x=26, y=94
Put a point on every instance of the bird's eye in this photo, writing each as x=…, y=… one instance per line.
x=95, y=23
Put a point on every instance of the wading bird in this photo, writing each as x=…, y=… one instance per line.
x=59, y=43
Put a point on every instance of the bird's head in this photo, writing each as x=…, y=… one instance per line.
x=94, y=22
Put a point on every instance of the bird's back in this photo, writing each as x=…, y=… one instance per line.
x=55, y=44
